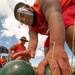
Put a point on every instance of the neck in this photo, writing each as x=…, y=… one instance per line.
x=22, y=44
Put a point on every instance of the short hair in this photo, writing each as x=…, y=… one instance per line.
x=18, y=5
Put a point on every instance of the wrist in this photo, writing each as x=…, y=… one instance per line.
x=55, y=45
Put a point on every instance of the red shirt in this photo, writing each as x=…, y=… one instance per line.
x=2, y=61
x=41, y=25
x=65, y=3
x=19, y=48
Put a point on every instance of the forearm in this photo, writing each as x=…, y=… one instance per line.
x=32, y=44
x=32, y=47
x=57, y=29
x=10, y=52
x=53, y=14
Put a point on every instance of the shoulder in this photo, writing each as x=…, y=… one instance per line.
x=48, y=4
x=16, y=44
x=45, y=3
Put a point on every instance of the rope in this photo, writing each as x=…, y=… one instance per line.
x=72, y=46
x=53, y=58
x=53, y=52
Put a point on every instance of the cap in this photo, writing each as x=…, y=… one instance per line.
x=24, y=38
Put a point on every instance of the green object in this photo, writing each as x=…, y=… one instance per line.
x=17, y=67
x=47, y=70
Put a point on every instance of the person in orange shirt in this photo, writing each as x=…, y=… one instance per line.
x=18, y=48
x=2, y=61
x=54, y=18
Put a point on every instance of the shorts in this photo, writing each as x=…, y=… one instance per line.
x=69, y=15
x=46, y=43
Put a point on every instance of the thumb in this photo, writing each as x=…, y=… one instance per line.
x=32, y=53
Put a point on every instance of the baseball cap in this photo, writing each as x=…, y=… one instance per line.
x=24, y=38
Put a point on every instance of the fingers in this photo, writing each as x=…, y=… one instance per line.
x=66, y=60
x=32, y=53
x=64, y=65
x=54, y=67
x=59, y=65
x=20, y=53
x=41, y=67
x=11, y=57
x=19, y=58
x=67, y=63
x=16, y=55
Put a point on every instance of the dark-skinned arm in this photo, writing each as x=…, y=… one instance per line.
x=56, y=55
x=52, y=11
x=33, y=41
x=32, y=45
x=10, y=51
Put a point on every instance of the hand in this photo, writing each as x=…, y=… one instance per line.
x=58, y=61
x=11, y=56
x=25, y=53
x=26, y=57
x=32, y=53
x=28, y=53
x=41, y=67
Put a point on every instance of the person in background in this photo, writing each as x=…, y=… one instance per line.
x=18, y=48
x=54, y=18
x=2, y=61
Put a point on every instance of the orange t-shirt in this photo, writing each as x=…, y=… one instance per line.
x=19, y=48
x=65, y=3
x=41, y=25
x=2, y=61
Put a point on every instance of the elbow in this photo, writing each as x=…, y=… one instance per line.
x=49, y=7
x=52, y=13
